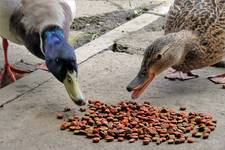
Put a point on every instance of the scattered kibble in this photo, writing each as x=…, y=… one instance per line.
x=60, y=115
x=205, y=135
x=132, y=121
x=66, y=109
x=170, y=141
x=82, y=109
x=132, y=140
x=183, y=108
x=109, y=138
x=190, y=140
x=146, y=141
x=120, y=139
x=96, y=140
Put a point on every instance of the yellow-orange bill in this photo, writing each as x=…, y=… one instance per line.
x=139, y=90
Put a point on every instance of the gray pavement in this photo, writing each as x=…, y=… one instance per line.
x=29, y=122
x=95, y=7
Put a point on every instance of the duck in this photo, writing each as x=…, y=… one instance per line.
x=194, y=38
x=42, y=26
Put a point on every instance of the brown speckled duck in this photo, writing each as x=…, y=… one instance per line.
x=194, y=38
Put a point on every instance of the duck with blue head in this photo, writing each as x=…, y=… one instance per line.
x=61, y=61
x=43, y=28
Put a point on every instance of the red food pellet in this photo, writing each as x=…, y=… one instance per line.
x=131, y=121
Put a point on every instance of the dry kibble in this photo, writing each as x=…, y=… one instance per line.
x=120, y=139
x=170, y=141
x=190, y=140
x=183, y=108
x=96, y=140
x=82, y=109
x=198, y=135
x=66, y=109
x=60, y=115
x=109, y=138
x=131, y=121
x=205, y=135
x=146, y=141
x=132, y=140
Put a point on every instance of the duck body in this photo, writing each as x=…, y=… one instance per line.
x=42, y=26
x=22, y=21
x=194, y=38
x=206, y=18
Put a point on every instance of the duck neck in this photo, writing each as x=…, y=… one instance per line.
x=51, y=35
x=182, y=44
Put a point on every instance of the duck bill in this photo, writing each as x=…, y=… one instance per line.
x=139, y=84
x=72, y=86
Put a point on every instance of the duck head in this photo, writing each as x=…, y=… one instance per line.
x=163, y=53
x=61, y=61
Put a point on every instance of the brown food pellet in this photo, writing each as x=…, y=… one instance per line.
x=66, y=109
x=183, y=108
x=120, y=139
x=96, y=140
x=82, y=109
x=132, y=140
x=60, y=115
x=146, y=142
x=131, y=121
x=109, y=138
x=190, y=140
x=205, y=135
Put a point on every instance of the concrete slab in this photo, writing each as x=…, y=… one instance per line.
x=29, y=122
x=107, y=40
x=95, y=7
x=136, y=42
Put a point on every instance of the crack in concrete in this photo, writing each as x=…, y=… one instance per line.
x=117, y=5
x=155, y=13
x=100, y=52
x=42, y=83
x=22, y=94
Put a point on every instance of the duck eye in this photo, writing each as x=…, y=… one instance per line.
x=144, y=72
x=159, y=56
x=57, y=60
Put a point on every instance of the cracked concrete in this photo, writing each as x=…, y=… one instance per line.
x=95, y=7
x=28, y=121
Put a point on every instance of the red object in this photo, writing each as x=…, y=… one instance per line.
x=9, y=71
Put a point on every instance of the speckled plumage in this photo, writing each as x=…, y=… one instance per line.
x=206, y=18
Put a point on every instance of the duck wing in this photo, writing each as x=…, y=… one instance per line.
x=195, y=15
